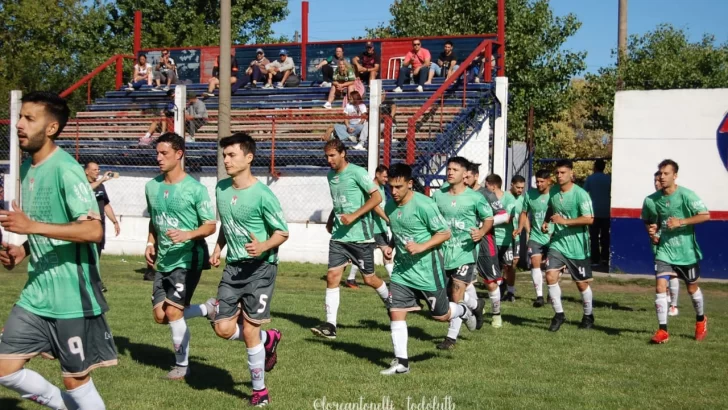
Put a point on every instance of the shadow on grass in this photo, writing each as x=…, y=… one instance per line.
x=202, y=376
x=375, y=355
x=598, y=304
x=10, y=404
x=301, y=320
x=544, y=324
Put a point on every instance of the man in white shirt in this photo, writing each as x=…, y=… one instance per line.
x=355, y=125
x=280, y=70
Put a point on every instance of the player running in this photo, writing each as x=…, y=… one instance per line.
x=674, y=283
x=60, y=312
x=181, y=217
x=672, y=211
x=464, y=211
x=350, y=223
x=419, y=230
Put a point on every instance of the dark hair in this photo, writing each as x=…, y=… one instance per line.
x=565, y=163
x=494, y=179
x=380, y=169
x=88, y=164
x=336, y=144
x=448, y=42
x=657, y=173
x=355, y=96
x=599, y=165
x=460, y=161
x=55, y=106
x=517, y=179
x=173, y=139
x=341, y=47
x=667, y=162
x=474, y=168
x=400, y=170
x=140, y=56
x=246, y=142
x=543, y=174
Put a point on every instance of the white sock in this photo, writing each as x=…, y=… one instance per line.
x=495, y=301
x=586, y=297
x=674, y=290
x=263, y=337
x=661, y=308
x=399, y=338
x=86, y=397
x=193, y=311
x=180, y=341
x=237, y=335
x=332, y=305
x=471, y=297
x=383, y=292
x=555, y=294
x=256, y=364
x=454, y=329
x=698, y=302
x=352, y=272
x=512, y=289
x=32, y=386
x=537, y=278
x=389, y=267
x=459, y=310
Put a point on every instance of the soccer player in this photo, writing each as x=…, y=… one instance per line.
x=181, y=217
x=253, y=228
x=419, y=230
x=532, y=219
x=518, y=186
x=381, y=226
x=570, y=211
x=674, y=283
x=464, y=210
x=673, y=211
x=60, y=311
x=350, y=223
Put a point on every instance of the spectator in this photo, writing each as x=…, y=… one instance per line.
x=256, y=70
x=329, y=65
x=417, y=64
x=599, y=187
x=143, y=74
x=97, y=185
x=367, y=63
x=195, y=116
x=343, y=82
x=166, y=71
x=214, y=81
x=446, y=64
x=355, y=125
x=161, y=124
x=281, y=70
x=476, y=68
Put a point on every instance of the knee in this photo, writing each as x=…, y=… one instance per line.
x=75, y=382
x=226, y=329
x=8, y=367
x=372, y=280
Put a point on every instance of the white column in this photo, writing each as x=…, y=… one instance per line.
x=375, y=95
x=180, y=101
x=12, y=179
x=500, y=131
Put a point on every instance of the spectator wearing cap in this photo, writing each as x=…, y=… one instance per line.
x=416, y=64
x=367, y=63
x=165, y=71
x=344, y=78
x=280, y=70
x=329, y=65
x=164, y=122
x=214, y=81
x=256, y=70
x=195, y=116
x=446, y=63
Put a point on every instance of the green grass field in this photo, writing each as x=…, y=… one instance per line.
x=521, y=365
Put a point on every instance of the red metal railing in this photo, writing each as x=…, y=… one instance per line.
x=117, y=59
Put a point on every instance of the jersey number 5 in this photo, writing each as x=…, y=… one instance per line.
x=263, y=303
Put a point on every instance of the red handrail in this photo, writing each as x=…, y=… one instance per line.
x=118, y=59
x=273, y=172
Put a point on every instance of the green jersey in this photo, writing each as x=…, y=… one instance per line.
x=60, y=273
x=677, y=246
x=416, y=221
x=185, y=206
x=462, y=213
x=380, y=225
x=520, y=201
x=350, y=189
x=536, y=204
x=504, y=232
x=571, y=241
x=254, y=210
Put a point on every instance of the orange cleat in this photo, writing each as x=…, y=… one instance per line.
x=660, y=337
x=701, y=329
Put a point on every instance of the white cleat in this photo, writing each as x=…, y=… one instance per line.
x=396, y=368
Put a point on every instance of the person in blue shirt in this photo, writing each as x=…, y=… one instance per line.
x=599, y=187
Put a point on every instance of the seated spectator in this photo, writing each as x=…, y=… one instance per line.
x=329, y=65
x=255, y=71
x=446, y=63
x=475, y=70
x=161, y=124
x=214, y=81
x=281, y=71
x=166, y=71
x=416, y=64
x=142, y=74
x=343, y=82
x=367, y=63
x=195, y=116
x=355, y=125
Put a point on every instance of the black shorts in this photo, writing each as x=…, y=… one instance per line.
x=535, y=248
x=358, y=253
x=248, y=285
x=465, y=273
x=404, y=298
x=688, y=273
x=175, y=287
x=80, y=344
x=506, y=254
x=381, y=239
x=487, y=263
x=579, y=269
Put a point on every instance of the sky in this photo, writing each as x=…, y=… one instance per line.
x=597, y=36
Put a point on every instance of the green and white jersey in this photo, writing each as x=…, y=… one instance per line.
x=677, y=246
x=462, y=213
x=417, y=221
x=380, y=225
x=571, y=241
x=185, y=206
x=60, y=273
x=520, y=201
x=536, y=204
x=254, y=210
x=504, y=232
x=350, y=189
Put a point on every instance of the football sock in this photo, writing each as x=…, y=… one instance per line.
x=256, y=364
x=180, y=341
x=661, y=308
x=586, y=297
x=555, y=293
x=698, y=304
x=85, y=397
x=32, y=386
x=471, y=297
x=352, y=272
x=537, y=278
x=332, y=305
x=674, y=290
x=399, y=339
x=193, y=311
x=495, y=303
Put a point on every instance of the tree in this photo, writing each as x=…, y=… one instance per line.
x=538, y=69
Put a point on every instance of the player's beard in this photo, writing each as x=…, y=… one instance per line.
x=34, y=143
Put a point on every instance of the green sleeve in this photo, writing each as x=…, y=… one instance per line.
x=273, y=214
x=649, y=213
x=695, y=204
x=585, y=204
x=80, y=200
x=364, y=182
x=205, y=212
x=482, y=208
x=432, y=217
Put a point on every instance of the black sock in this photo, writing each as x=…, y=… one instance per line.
x=664, y=327
x=700, y=318
x=561, y=315
x=403, y=362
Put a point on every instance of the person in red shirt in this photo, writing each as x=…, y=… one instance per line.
x=214, y=81
x=417, y=64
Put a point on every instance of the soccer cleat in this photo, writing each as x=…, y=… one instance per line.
x=469, y=319
x=395, y=368
x=539, y=302
x=701, y=329
x=508, y=297
x=497, y=321
x=211, y=306
x=103, y=289
x=326, y=330
x=660, y=337
x=556, y=322
x=447, y=344
x=351, y=284
x=587, y=322
x=672, y=311
x=260, y=398
x=271, y=356
x=397, y=90
x=478, y=313
x=178, y=373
